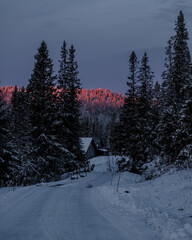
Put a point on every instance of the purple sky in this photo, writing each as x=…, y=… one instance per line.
x=104, y=33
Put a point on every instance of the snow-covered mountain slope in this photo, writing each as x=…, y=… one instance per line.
x=91, y=99
x=91, y=208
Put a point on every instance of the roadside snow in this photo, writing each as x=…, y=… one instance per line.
x=163, y=204
x=107, y=163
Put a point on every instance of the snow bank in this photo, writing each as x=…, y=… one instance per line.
x=106, y=163
x=164, y=204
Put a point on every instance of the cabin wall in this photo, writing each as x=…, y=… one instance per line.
x=91, y=152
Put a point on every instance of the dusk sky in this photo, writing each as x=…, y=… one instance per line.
x=104, y=32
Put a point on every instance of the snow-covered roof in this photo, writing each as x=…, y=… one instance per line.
x=85, y=143
x=103, y=150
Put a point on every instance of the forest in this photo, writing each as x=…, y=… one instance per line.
x=40, y=128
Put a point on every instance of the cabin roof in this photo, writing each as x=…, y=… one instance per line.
x=86, y=143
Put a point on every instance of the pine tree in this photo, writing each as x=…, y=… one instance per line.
x=69, y=106
x=73, y=88
x=8, y=160
x=62, y=77
x=19, y=116
x=132, y=78
x=182, y=140
x=156, y=91
x=175, y=94
x=129, y=114
x=183, y=136
x=46, y=150
x=168, y=94
x=122, y=134
x=20, y=136
x=61, y=124
x=144, y=149
x=182, y=86
x=167, y=102
x=3, y=160
x=181, y=60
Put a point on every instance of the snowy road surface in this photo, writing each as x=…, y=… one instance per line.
x=160, y=209
x=66, y=212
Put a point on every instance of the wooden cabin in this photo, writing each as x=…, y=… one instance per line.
x=89, y=148
x=93, y=147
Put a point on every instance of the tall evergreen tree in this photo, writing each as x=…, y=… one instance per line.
x=182, y=139
x=132, y=78
x=145, y=79
x=136, y=127
x=128, y=118
x=176, y=82
x=145, y=124
x=62, y=78
x=181, y=59
x=46, y=151
x=182, y=85
x=156, y=91
x=73, y=106
x=183, y=135
x=167, y=102
x=8, y=160
x=61, y=126
x=19, y=116
x=70, y=86
x=168, y=95
x=20, y=136
x=3, y=160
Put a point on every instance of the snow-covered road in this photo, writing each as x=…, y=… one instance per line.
x=58, y=212
x=160, y=209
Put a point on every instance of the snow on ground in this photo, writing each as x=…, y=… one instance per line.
x=163, y=204
x=106, y=163
x=90, y=208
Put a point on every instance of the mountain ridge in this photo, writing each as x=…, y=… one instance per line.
x=90, y=99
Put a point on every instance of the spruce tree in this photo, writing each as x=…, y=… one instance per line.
x=168, y=90
x=3, y=160
x=144, y=149
x=8, y=159
x=61, y=129
x=47, y=152
x=182, y=85
x=183, y=135
x=128, y=118
x=122, y=132
x=19, y=116
x=156, y=91
x=132, y=78
x=167, y=102
x=69, y=105
x=181, y=60
x=20, y=136
x=73, y=104
x=175, y=92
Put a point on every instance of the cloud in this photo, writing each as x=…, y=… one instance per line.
x=169, y=9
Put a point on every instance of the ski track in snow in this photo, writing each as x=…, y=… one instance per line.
x=151, y=210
